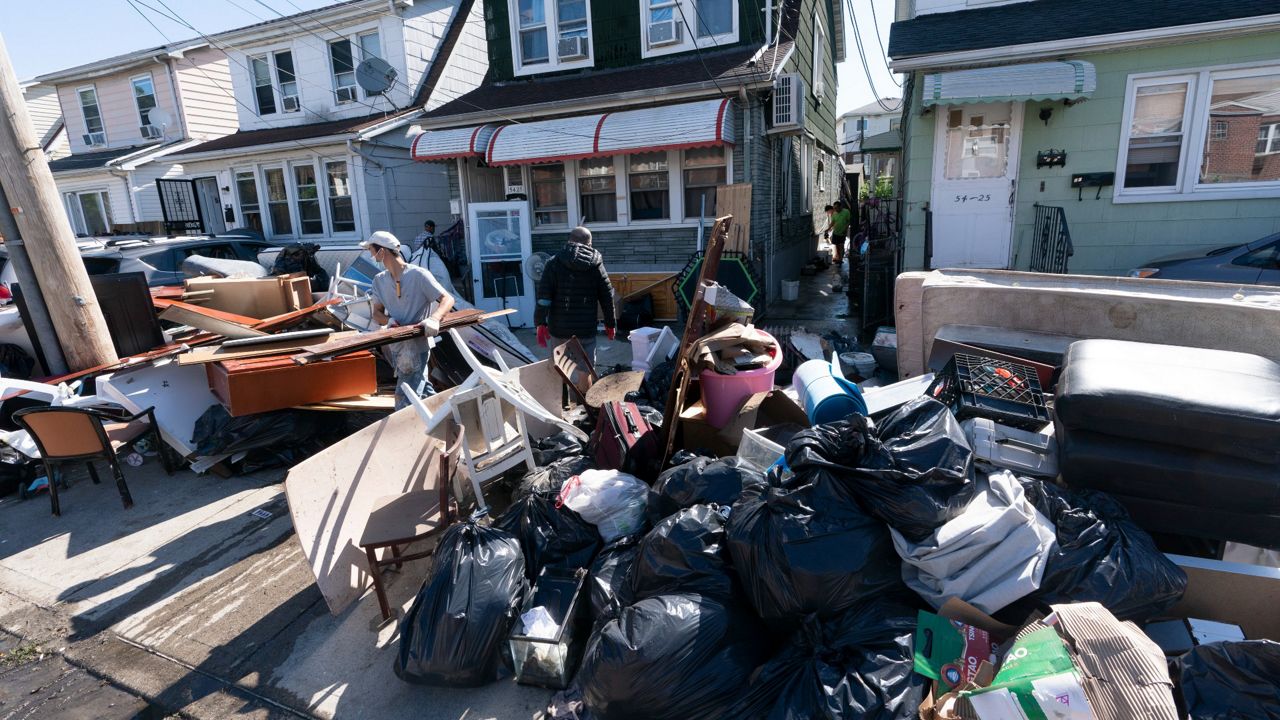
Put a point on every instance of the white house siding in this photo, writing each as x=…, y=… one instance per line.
x=142, y=183
x=466, y=66
x=402, y=194
x=43, y=107
x=115, y=187
x=115, y=102
x=928, y=7
x=315, y=80
x=204, y=87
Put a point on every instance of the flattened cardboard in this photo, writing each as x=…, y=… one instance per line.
x=763, y=409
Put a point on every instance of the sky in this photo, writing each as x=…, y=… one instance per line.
x=89, y=30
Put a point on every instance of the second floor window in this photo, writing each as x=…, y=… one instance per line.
x=262, y=92
x=342, y=61
x=92, y=116
x=671, y=26
x=144, y=96
x=275, y=83
x=550, y=34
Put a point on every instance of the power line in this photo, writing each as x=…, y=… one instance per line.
x=693, y=36
x=884, y=55
x=862, y=55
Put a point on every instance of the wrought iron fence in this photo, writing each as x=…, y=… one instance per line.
x=1051, y=240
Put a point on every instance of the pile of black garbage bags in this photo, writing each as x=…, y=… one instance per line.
x=787, y=595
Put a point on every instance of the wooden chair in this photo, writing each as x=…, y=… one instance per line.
x=66, y=434
x=397, y=521
x=575, y=367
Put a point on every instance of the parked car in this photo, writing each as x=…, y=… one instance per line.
x=1255, y=263
x=160, y=259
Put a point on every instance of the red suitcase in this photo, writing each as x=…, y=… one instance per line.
x=624, y=440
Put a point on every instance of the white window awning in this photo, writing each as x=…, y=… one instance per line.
x=672, y=127
x=1060, y=80
x=436, y=145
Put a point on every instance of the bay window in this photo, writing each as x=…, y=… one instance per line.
x=704, y=171
x=648, y=181
x=278, y=202
x=247, y=194
x=341, y=215
x=307, y=200
x=1202, y=134
x=550, y=35
x=550, y=201
x=597, y=190
x=303, y=198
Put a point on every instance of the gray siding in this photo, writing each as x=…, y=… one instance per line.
x=402, y=194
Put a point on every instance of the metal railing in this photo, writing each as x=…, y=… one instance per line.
x=1050, y=240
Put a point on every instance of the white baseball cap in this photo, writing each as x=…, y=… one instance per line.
x=382, y=238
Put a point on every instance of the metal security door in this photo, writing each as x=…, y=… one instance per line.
x=975, y=171
x=500, y=241
x=179, y=207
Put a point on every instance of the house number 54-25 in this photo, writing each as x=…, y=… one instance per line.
x=986, y=197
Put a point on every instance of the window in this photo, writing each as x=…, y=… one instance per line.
x=1204, y=134
x=370, y=47
x=648, y=181
x=817, y=79
x=307, y=200
x=247, y=194
x=672, y=26
x=262, y=92
x=287, y=81
x=89, y=212
x=92, y=116
x=144, y=96
x=551, y=34
x=1264, y=258
x=550, y=201
x=343, y=65
x=977, y=145
x=340, y=213
x=597, y=190
x=704, y=171
x=278, y=202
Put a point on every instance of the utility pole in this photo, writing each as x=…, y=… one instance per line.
x=49, y=241
x=32, y=296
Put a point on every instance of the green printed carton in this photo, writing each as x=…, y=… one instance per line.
x=1037, y=681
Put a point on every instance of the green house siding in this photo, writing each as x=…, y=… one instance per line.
x=616, y=36
x=1109, y=238
x=819, y=115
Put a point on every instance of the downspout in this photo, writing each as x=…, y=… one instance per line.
x=768, y=22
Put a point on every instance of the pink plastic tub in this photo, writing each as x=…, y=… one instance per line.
x=723, y=395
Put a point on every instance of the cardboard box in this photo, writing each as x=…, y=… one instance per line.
x=257, y=298
x=699, y=435
x=257, y=385
x=762, y=410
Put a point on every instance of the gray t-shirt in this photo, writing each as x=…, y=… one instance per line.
x=411, y=302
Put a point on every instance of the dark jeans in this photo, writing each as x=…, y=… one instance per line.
x=837, y=241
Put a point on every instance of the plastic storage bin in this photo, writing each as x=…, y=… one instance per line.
x=1023, y=451
x=552, y=662
x=1007, y=392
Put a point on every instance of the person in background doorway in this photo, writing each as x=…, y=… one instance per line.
x=403, y=295
x=429, y=256
x=428, y=235
x=573, y=285
x=840, y=228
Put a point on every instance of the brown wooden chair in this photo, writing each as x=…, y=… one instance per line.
x=65, y=435
x=397, y=521
x=575, y=367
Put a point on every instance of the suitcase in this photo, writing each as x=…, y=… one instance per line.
x=624, y=440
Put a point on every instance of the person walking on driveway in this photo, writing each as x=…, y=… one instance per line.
x=573, y=285
x=403, y=295
x=840, y=228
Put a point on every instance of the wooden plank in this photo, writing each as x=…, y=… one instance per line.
x=630, y=285
x=209, y=320
x=199, y=356
x=361, y=403
x=289, y=319
x=378, y=338
x=735, y=200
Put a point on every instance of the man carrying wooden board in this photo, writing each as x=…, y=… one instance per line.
x=403, y=295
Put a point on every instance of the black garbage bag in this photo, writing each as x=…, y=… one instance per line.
x=549, y=535
x=701, y=480
x=611, y=577
x=856, y=665
x=557, y=447
x=1231, y=681
x=551, y=477
x=809, y=549
x=658, y=383
x=671, y=657
x=15, y=362
x=456, y=630
x=685, y=554
x=915, y=472
x=301, y=257
x=217, y=433
x=1101, y=556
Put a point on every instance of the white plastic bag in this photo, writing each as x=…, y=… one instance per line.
x=612, y=501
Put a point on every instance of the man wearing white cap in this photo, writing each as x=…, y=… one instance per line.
x=404, y=294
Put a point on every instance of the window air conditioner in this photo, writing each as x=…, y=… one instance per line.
x=290, y=102
x=572, y=48
x=666, y=32
x=788, y=102
x=346, y=94
x=151, y=132
x=98, y=138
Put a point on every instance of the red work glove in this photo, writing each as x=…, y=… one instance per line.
x=544, y=335
x=609, y=332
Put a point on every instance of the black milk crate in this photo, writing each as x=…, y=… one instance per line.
x=1007, y=392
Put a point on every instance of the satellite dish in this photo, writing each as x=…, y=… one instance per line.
x=159, y=117
x=535, y=264
x=375, y=75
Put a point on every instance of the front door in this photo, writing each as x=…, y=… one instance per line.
x=500, y=242
x=210, y=205
x=975, y=171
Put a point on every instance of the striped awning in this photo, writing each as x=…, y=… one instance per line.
x=672, y=127
x=435, y=145
x=1060, y=80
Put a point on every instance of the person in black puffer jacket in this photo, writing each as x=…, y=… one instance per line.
x=573, y=284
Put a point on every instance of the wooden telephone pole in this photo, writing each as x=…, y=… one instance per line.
x=46, y=231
